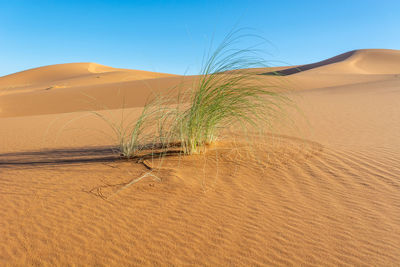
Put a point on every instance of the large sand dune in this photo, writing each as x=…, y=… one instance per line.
x=366, y=61
x=71, y=74
x=324, y=191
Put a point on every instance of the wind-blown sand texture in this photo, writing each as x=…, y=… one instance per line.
x=325, y=192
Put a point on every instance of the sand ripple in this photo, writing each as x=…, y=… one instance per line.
x=289, y=202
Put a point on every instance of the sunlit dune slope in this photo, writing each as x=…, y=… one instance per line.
x=69, y=75
x=75, y=86
x=87, y=86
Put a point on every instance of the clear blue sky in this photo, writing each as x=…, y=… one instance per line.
x=171, y=36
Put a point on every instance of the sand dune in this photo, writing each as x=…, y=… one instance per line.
x=322, y=192
x=87, y=86
x=76, y=87
x=61, y=72
x=70, y=75
x=365, y=61
x=355, y=67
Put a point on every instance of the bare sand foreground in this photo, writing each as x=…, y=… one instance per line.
x=325, y=192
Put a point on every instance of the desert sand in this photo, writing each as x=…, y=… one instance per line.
x=324, y=190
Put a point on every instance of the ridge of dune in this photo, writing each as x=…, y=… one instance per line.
x=361, y=61
x=376, y=61
x=83, y=73
x=53, y=72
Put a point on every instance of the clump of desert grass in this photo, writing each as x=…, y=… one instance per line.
x=134, y=136
x=226, y=94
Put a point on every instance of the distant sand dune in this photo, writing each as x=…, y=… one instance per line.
x=290, y=71
x=71, y=74
x=366, y=61
x=70, y=87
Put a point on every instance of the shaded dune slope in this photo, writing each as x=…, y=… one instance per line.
x=290, y=71
x=367, y=61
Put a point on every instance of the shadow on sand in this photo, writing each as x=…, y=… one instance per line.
x=76, y=156
x=52, y=157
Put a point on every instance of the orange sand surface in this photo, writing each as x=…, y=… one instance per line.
x=323, y=191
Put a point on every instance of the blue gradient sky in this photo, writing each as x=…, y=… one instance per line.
x=171, y=36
